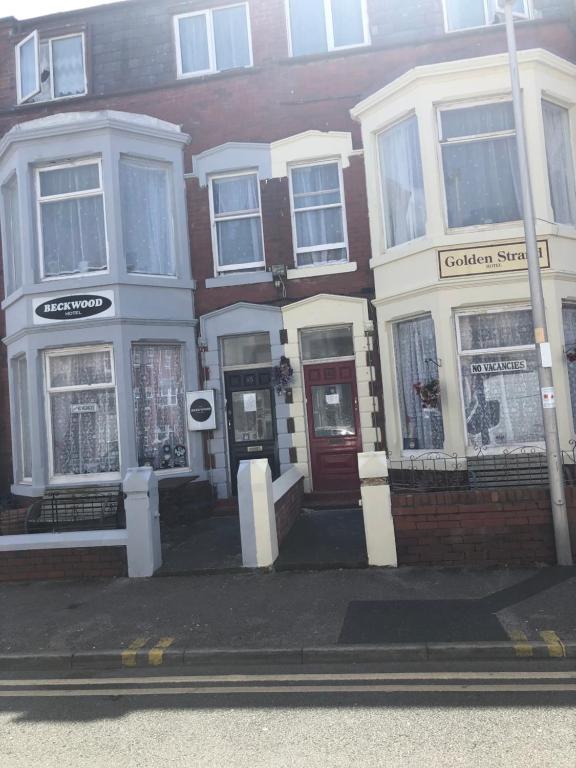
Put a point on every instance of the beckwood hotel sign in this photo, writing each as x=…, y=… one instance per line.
x=487, y=259
x=73, y=307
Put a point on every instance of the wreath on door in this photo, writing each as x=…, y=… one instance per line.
x=282, y=375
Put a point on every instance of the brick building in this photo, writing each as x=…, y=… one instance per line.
x=252, y=198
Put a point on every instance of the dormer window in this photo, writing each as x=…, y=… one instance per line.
x=50, y=69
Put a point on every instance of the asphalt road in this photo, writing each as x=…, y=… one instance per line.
x=506, y=716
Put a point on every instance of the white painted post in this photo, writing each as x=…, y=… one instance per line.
x=142, y=522
x=257, y=518
x=377, y=508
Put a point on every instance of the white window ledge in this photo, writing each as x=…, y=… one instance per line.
x=69, y=540
x=238, y=278
x=318, y=271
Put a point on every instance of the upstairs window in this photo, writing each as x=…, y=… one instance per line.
x=318, y=214
x=213, y=40
x=71, y=224
x=50, y=69
x=11, y=229
x=464, y=14
x=237, y=222
x=560, y=162
x=480, y=164
x=318, y=26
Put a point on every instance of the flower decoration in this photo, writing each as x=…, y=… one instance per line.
x=282, y=375
x=428, y=392
x=571, y=354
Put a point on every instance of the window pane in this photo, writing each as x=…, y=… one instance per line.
x=194, y=44
x=320, y=343
x=231, y=38
x=68, y=66
x=307, y=27
x=84, y=439
x=83, y=369
x=316, y=185
x=329, y=256
x=73, y=236
x=146, y=218
x=416, y=369
x=319, y=227
x=560, y=162
x=496, y=329
x=159, y=406
x=240, y=242
x=13, y=256
x=252, y=416
x=402, y=183
x=473, y=121
x=465, y=13
x=347, y=22
x=569, y=318
x=29, y=74
x=482, y=182
x=236, y=194
x=62, y=181
x=502, y=408
x=246, y=349
x=21, y=382
x=333, y=409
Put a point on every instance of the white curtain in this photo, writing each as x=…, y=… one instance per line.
x=231, y=38
x=402, y=182
x=347, y=22
x=308, y=27
x=146, y=218
x=465, y=13
x=73, y=232
x=569, y=318
x=415, y=348
x=194, y=44
x=68, y=66
x=12, y=256
x=560, y=162
x=239, y=239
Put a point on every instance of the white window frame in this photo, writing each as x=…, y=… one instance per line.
x=329, y=30
x=440, y=108
x=21, y=97
x=460, y=353
x=48, y=390
x=69, y=196
x=528, y=4
x=9, y=255
x=24, y=98
x=18, y=395
x=570, y=110
x=208, y=14
x=252, y=266
x=341, y=205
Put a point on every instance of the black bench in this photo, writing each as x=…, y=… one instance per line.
x=89, y=508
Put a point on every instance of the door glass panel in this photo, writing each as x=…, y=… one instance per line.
x=252, y=416
x=333, y=408
x=319, y=343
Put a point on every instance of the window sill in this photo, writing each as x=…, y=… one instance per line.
x=238, y=278
x=298, y=273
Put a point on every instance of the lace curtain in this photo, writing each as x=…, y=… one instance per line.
x=569, y=318
x=231, y=38
x=68, y=66
x=560, y=162
x=194, y=51
x=239, y=235
x=308, y=27
x=146, y=218
x=402, y=183
x=347, y=22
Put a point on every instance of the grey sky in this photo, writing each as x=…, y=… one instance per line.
x=27, y=9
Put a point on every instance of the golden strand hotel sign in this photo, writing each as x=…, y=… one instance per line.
x=489, y=259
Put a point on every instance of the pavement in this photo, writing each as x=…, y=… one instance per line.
x=298, y=617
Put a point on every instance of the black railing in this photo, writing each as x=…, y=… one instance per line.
x=525, y=466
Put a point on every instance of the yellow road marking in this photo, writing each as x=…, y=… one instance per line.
x=522, y=647
x=129, y=655
x=156, y=655
x=556, y=647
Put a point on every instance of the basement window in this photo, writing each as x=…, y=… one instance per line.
x=50, y=69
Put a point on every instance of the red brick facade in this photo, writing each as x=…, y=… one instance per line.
x=43, y=564
x=287, y=510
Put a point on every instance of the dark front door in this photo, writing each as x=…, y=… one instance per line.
x=333, y=425
x=251, y=419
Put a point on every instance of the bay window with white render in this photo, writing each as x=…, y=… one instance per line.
x=11, y=230
x=560, y=159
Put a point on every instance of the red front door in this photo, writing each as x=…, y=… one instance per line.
x=333, y=425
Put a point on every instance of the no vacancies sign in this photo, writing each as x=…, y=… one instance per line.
x=78, y=306
x=499, y=366
x=488, y=259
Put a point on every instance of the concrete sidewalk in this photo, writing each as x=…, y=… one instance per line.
x=351, y=615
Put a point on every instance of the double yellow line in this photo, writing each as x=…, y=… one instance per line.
x=523, y=647
x=155, y=654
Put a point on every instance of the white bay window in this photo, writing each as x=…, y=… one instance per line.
x=71, y=222
x=82, y=411
x=319, y=223
x=560, y=162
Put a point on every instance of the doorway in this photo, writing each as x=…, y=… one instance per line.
x=251, y=420
x=333, y=425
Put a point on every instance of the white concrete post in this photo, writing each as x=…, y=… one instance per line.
x=257, y=517
x=142, y=522
x=377, y=509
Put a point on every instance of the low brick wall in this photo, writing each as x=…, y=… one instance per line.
x=287, y=509
x=488, y=527
x=44, y=564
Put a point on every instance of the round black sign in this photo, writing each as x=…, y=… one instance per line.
x=200, y=409
x=73, y=307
